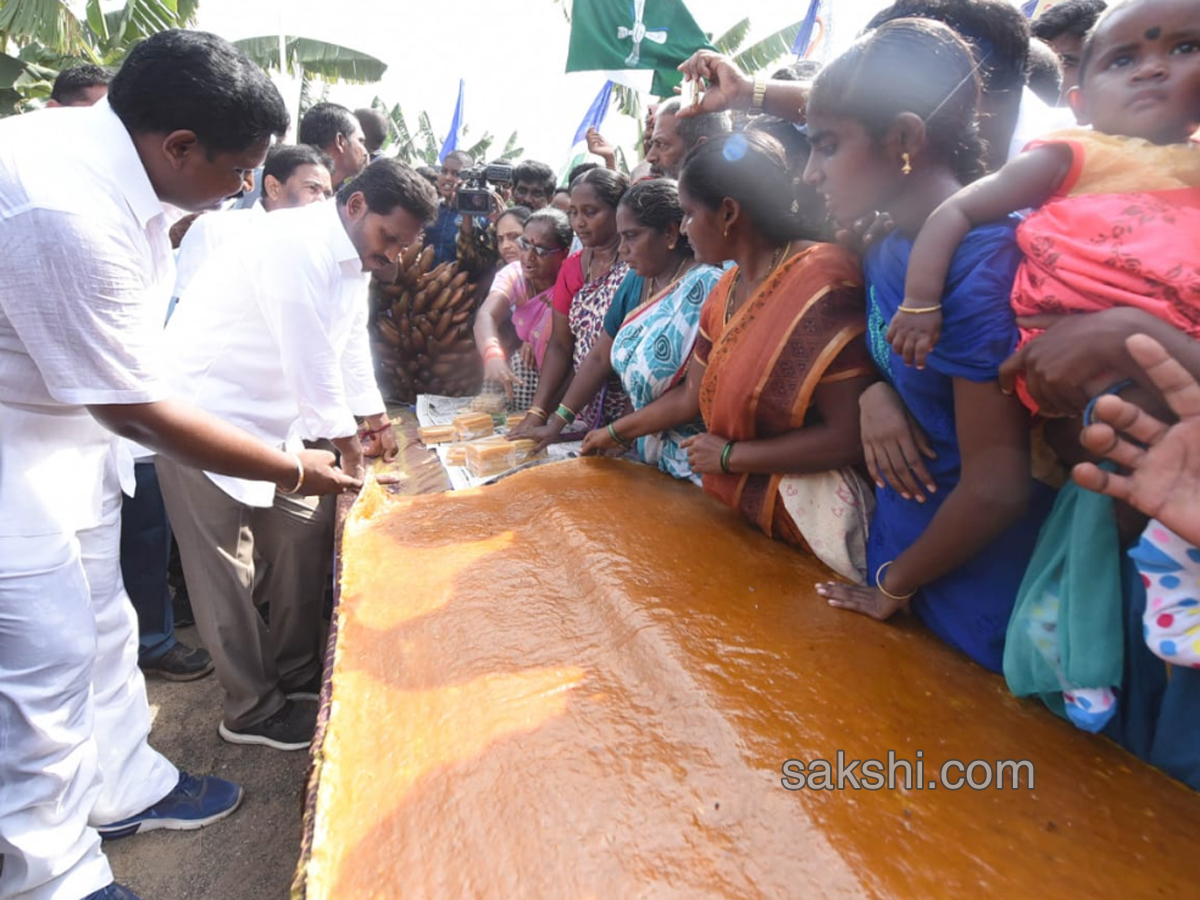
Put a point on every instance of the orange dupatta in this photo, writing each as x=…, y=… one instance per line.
x=803, y=327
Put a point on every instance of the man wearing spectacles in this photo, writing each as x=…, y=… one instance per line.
x=335, y=130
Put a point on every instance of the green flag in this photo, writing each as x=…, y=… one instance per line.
x=632, y=34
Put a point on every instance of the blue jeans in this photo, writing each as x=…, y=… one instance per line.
x=145, y=553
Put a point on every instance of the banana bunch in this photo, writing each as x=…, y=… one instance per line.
x=421, y=329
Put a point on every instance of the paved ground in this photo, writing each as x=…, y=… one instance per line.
x=249, y=856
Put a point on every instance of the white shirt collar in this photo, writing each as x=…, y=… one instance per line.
x=129, y=175
x=341, y=245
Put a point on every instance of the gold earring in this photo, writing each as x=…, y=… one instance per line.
x=671, y=246
x=906, y=160
x=726, y=231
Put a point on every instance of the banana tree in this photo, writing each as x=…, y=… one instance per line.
x=39, y=38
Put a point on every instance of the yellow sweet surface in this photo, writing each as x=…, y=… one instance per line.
x=582, y=681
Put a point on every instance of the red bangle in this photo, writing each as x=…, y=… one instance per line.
x=367, y=432
x=493, y=353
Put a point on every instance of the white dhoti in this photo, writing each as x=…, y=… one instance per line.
x=74, y=720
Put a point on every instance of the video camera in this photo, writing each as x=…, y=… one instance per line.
x=474, y=196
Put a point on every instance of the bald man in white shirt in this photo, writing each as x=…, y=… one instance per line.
x=87, y=266
x=271, y=335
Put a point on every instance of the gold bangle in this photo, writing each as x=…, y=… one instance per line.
x=539, y=412
x=760, y=93
x=879, y=585
x=299, y=477
x=917, y=310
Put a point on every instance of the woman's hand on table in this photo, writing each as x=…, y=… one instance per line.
x=704, y=453
x=544, y=435
x=526, y=427
x=894, y=445
x=599, y=441
x=866, y=600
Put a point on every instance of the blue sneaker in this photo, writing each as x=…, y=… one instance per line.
x=113, y=892
x=195, y=802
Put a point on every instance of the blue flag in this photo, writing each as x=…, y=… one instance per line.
x=593, y=118
x=455, y=126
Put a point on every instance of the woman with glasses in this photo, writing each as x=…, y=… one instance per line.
x=649, y=330
x=512, y=327
x=586, y=285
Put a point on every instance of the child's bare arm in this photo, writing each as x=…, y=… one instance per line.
x=1027, y=180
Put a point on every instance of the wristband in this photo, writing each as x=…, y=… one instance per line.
x=299, y=477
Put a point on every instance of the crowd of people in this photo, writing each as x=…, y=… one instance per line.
x=928, y=312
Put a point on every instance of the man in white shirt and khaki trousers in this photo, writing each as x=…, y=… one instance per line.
x=271, y=335
x=87, y=269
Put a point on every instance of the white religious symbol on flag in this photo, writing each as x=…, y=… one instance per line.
x=639, y=33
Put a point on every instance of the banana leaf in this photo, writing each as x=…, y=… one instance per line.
x=332, y=62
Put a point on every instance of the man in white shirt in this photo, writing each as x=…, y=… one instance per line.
x=334, y=130
x=293, y=175
x=86, y=264
x=271, y=335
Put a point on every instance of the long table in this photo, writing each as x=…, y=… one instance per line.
x=589, y=680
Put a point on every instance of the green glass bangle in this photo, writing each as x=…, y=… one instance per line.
x=612, y=433
x=725, y=451
x=565, y=414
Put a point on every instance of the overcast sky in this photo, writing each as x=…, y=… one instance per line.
x=511, y=53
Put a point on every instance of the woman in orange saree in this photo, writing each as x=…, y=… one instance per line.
x=780, y=360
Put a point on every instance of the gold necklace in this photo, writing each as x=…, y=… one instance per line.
x=587, y=275
x=650, y=288
x=780, y=254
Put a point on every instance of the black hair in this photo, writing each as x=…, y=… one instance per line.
x=71, y=84
x=285, y=159
x=917, y=66
x=1089, y=42
x=579, y=170
x=321, y=125
x=797, y=150
x=751, y=168
x=694, y=128
x=607, y=184
x=520, y=213
x=195, y=81
x=1074, y=18
x=800, y=70
x=995, y=30
x=654, y=202
x=374, y=126
x=429, y=173
x=560, y=225
x=388, y=183
x=1044, y=74
x=467, y=160
x=533, y=172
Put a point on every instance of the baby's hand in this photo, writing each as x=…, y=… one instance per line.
x=913, y=335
